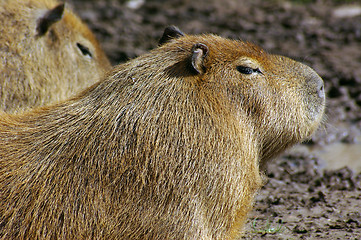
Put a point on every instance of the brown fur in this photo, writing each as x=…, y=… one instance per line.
x=37, y=69
x=167, y=146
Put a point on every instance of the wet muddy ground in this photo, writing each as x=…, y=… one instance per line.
x=314, y=190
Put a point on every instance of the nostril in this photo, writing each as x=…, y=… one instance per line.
x=321, y=91
x=315, y=85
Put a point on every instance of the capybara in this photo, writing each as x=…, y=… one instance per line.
x=46, y=54
x=166, y=146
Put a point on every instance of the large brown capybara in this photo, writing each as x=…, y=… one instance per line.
x=166, y=146
x=46, y=54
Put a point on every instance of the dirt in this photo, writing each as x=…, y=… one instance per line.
x=306, y=195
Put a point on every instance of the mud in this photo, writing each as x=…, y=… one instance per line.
x=314, y=190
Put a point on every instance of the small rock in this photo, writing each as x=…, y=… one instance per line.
x=347, y=11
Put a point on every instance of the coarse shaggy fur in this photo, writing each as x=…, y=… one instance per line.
x=166, y=146
x=46, y=54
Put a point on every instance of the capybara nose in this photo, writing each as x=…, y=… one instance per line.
x=315, y=85
x=321, y=91
x=315, y=95
x=320, y=87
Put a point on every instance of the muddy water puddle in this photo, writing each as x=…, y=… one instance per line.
x=339, y=155
x=336, y=155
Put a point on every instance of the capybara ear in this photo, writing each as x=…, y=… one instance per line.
x=199, y=53
x=170, y=33
x=50, y=17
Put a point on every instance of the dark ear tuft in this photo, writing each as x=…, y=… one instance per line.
x=170, y=33
x=199, y=52
x=49, y=18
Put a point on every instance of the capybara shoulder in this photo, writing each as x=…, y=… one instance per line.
x=166, y=146
x=46, y=54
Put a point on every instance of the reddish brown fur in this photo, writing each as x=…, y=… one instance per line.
x=156, y=150
x=37, y=70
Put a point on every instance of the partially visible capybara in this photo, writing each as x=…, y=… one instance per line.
x=166, y=146
x=46, y=54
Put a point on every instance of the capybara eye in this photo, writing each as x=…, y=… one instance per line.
x=248, y=70
x=84, y=50
x=245, y=70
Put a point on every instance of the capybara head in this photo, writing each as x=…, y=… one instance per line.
x=46, y=54
x=166, y=146
x=283, y=99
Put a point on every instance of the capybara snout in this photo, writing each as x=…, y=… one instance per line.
x=315, y=94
